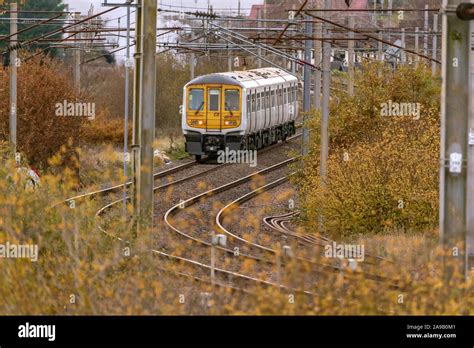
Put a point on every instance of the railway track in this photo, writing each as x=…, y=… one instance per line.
x=202, y=265
x=337, y=266
x=278, y=223
x=168, y=172
x=318, y=267
x=231, y=251
x=120, y=187
x=176, y=209
x=225, y=277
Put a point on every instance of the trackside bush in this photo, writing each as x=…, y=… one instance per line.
x=383, y=165
x=40, y=132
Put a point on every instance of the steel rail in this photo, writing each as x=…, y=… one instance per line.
x=161, y=187
x=193, y=200
x=179, y=181
x=278, y=223
x=119, y=187
x=203, y=265
x=239, y=201
x=218, y=270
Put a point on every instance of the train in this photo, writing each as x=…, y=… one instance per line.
x=238, y=110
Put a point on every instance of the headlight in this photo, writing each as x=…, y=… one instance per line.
x=196, y=122
x=230, y=123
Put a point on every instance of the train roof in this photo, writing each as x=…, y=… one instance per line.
x=246, y=79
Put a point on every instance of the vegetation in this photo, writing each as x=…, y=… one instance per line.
x=40, y=132
x=34, y=5
x=382, y=177
x=382, y=170
x=82, y=271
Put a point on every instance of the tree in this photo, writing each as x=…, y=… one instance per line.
x=33, y=5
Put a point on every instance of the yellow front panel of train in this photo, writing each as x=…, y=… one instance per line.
x=214, y=107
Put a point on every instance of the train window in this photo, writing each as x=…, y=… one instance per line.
x=254, y=103
x=214, y=96
x=232, y=100
x=196, y=99
x=258, y=102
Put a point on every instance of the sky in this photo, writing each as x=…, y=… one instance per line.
x=188, y=5
x=84, y=5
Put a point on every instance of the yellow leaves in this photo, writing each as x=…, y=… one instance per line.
x=247, y=265
x=158, y=288
x=202, y=185
x=247, y=237
x=390, y=158
x=55, y=160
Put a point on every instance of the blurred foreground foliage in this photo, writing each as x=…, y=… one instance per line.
x=80, y=270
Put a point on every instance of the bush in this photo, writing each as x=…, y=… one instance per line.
x=382, y=171
x=105, y=130
x=40, y=133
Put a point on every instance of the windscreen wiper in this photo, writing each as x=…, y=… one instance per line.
x=199, y=109
x=229, y=109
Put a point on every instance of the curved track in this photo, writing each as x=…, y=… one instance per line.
x=316, y=241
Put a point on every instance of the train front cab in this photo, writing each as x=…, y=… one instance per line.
x=213, y=110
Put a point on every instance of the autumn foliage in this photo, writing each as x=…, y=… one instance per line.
x=382, y=171
x=40, y=133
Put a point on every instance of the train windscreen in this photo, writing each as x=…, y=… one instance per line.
x=232, y=100
x=196, y=99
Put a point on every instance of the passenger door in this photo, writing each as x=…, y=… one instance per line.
x=213, y=112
